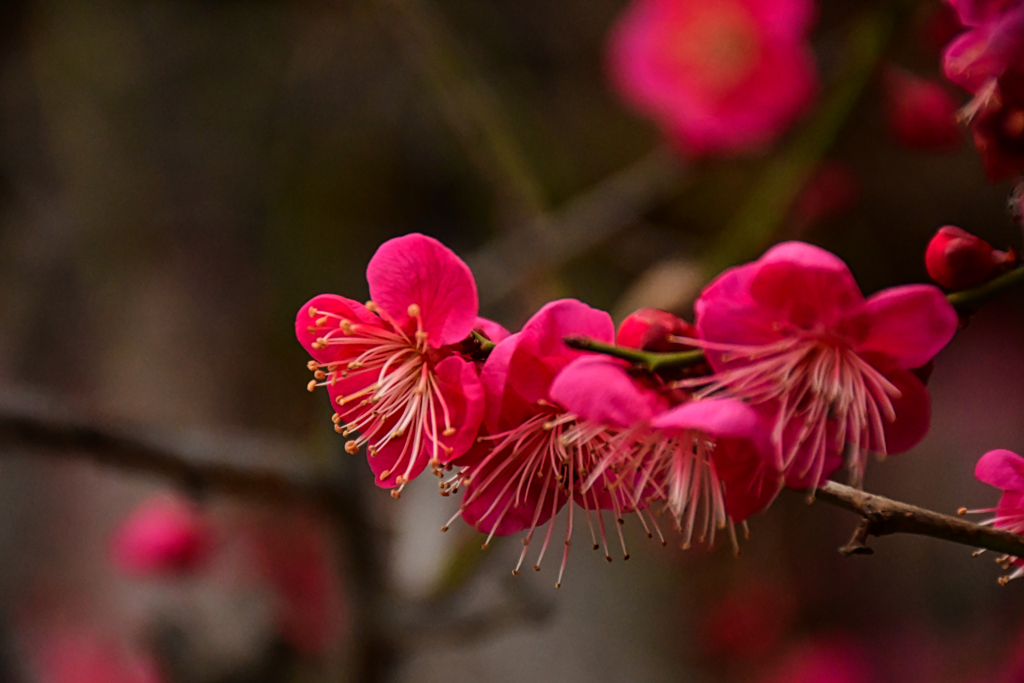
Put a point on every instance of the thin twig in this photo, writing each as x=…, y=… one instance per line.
x=884, y=516
x=970, y=300
x=645, y=360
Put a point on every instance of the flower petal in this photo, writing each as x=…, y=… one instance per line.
x=541, y=351
x=493, y=501
x=907, y=326
x=749, y=479
x=1003, y=469
x=599, y=389
x=416, y=269
x=913, y=413
x=718, y=418
x=490, y=329
x=321, y=316
x=805, y=285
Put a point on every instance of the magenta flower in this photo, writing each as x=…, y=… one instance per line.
x=920, y=113
x=717, y=77
x=393, y=368
x=535, y=454
x=709, y=458
x=958, y=260
x=993, y=42
x=1004, y=470
x=163, y=536
x=792, y=334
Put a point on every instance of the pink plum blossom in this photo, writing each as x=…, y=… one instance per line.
x=1005, y=470
x=717, y=77
x=708, y=458
x=392, y=367
x=792, y=334
x=535, y=454
x=163, y=536
x=920, y=113
x=69, y=655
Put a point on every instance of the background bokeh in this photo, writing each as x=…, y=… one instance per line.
x=178, y=176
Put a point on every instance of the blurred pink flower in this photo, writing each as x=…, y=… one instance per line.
x=958, y=260
x=993, y=42
x=294, y=556
x=1005, y=470
x=717, y=77
x=749, y=622
x=996, y=115
x=163, y=536
x=792, y=334
x=392, y=367
x=920, y=113
x=834, y=659
x=81, y=656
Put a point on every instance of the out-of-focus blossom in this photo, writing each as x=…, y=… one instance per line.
x=833, y=659
x=993, y=43
x=80, y=656
x=293, y=555
x=792, y=334
x=163, y=536
x=717, y=77
x=1005, y=470
x=392, y=367
x=534, y=456
x=833, y=189
x=957, y=260
x=712, y=456
x=988, y=61
x=920, y=113
x=749, y=622
x=940, y=26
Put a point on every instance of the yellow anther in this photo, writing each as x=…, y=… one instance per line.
x=335, y=418
x=320, y=375
x=401, y=480
x=312, y=312
x=351, y=447
x=340, y=429
x=413, y=311
x=449, y=431
x=396, y=494
x=347, y=327
x=311, y=386
x=385, y=474
x=312, y=365
x=322, y=320
x=371, y=307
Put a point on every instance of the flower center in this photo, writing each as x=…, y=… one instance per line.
x=716, y=47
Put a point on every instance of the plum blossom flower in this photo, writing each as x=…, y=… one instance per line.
x=708, y=458
x=792, y=334
x=1005, y=470
x=393, y=367
x=920, y=113
x=717, y=77
x=535, y=454
x=163, y=536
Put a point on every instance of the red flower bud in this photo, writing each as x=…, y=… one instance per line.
x=649, y=329
x=957, y=260
x=920, y=113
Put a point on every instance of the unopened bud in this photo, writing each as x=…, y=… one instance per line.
x=649, y=329
x=958, y=260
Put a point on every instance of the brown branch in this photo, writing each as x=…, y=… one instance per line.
x=883, y=517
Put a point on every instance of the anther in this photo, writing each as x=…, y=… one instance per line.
x=312, y=365
x=321, y=321
x=312, y=312
x=401, y=480
x=448, y=432
x=396, y=494
x=413, y=311
x=385, y=474
x=515, y=572
x=371, y=307
x=351, y=447
x=962, y=511
x=320, y=375
x=340, y=429
x=311, y=386
x=347, y=327
x=444, y=528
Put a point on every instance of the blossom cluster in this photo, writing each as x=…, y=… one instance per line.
x=787, y=372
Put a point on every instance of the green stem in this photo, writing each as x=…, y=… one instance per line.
x=970, y=300
x=648, y=360
x=486, y=345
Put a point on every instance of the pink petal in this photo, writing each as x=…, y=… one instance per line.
x=975, y=12
x=750, y=480
x=541, y=351
x=805, y=285
x=913, y=413
x=717, y=418
x=321, y=315
x=490, y=329
x=504, y=409
x=907, y=326
x=416, y=269
x=599, y=389
x=459, y=387
x=725, y=312
x=784, y=19
x=1003, y=469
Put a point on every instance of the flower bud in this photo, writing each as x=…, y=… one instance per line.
x=162, y=536
x=650, y=329
x=957, y=260
x=920, y=113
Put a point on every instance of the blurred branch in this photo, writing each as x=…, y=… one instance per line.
x=970, y=300
x=781, y=182
x=883, y=517
x=467, y=101
x=585, y=221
